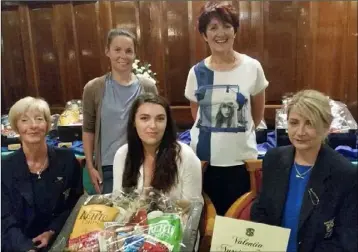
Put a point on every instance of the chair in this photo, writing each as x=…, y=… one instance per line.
x=241, y=208
x=207, y=220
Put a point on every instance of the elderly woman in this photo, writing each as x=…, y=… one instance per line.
x=308, y=187
x=40, y=184
x=231, y=78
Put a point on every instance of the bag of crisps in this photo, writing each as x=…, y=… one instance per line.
x=89, y=222
x=167, y=228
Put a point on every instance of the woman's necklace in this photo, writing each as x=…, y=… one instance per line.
x=302, y=175
x=39, y=172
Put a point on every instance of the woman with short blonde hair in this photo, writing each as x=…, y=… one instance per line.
x=40, y=184
x=315, y=106
x=29, y=104
x=309, y=187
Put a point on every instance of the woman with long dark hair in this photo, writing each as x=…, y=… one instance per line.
x=152, y=157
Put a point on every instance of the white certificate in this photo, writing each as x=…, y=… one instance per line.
x=233, y=235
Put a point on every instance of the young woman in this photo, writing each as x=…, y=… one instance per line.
x=40, y=184
x=106, y=103
x=152, y=157
x=226, y=76
x=308, y=187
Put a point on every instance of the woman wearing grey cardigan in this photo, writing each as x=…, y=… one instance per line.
x=106, y=103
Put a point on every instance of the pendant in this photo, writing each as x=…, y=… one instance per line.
x=38, y=175
x=298, y=176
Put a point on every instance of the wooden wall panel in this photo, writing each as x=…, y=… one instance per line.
x=13, y=74
x=67, y=50
x=46, y=56
x=351, y=66
x=153, y=40
x=198, y=47
x=279, y=59
x=178, y=51
x=124, y=15
x=105, y=20
x=307, y=26
x=54, y=49
x=90, y=51
x=332, y=21
x=250, y=37
x=29, y=53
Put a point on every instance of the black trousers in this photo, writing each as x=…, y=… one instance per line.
x=224, y=185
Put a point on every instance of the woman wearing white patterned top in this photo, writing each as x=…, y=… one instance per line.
x=225, y=77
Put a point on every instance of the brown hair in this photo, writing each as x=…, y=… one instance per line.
x=120, y=32
x=166, y=169
x=223, y=11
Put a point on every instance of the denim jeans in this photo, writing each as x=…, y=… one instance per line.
x=107, y=179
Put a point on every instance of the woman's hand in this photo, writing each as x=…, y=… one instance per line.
x=43, y=238
x=95, y=179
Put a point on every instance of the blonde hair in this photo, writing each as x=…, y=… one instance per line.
x=314, y=106
x=29, y=104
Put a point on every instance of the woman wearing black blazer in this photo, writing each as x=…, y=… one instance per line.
x=308, y=187
x=40, y=184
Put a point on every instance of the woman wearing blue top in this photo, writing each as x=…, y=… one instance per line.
x=308, y=187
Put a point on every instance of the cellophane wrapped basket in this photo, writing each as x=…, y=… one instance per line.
x=131, y=222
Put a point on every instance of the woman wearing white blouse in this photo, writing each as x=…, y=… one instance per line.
x=153, y=157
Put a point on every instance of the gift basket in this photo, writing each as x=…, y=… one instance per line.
x=130, y=222
x=70, y=122
x=342, y=130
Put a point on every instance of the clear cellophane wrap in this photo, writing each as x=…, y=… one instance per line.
x=130, y=222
